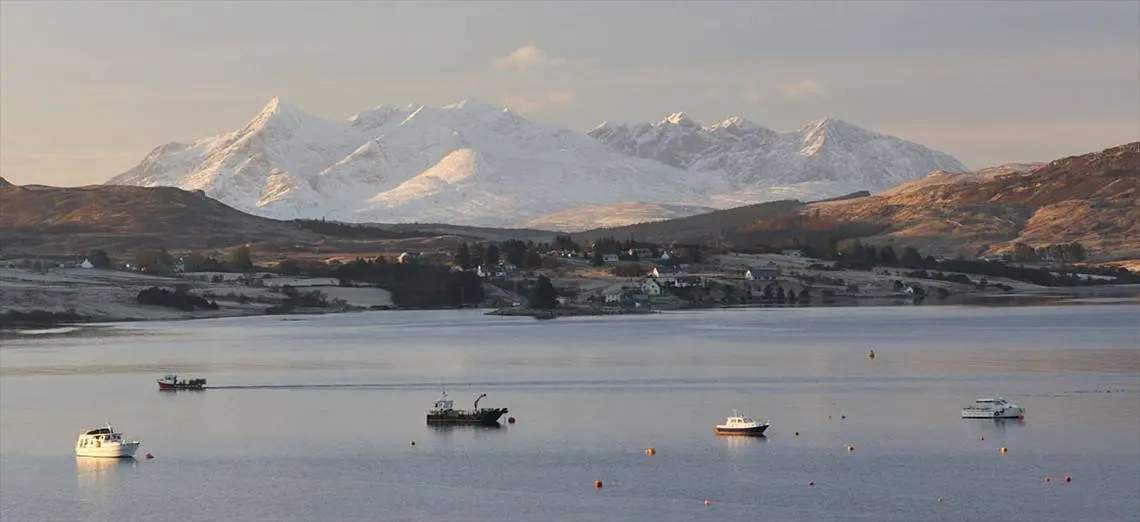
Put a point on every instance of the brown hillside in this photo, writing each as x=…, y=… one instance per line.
x=1090, y=199
x=120, y=218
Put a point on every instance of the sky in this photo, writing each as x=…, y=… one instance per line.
x=88, y=88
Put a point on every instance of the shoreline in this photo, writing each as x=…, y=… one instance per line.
x=79, y=297
x=61, y=329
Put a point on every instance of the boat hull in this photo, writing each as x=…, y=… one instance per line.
x=485, y=416
x=165, y=386
x=753, y=431
x=982, y=414
x=110, y=451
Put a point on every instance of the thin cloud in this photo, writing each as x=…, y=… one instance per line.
x=539, y=101
x=525, y=58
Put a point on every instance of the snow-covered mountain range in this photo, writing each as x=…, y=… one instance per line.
x=474, y=164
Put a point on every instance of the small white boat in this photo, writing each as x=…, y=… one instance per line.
x=993, y=408
x=105, y=442
x=739, y=424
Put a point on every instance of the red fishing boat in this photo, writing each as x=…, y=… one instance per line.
x=172, y=382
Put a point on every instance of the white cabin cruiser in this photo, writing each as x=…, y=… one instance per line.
x=105, y=442
x=739, y=424
x=993, y=408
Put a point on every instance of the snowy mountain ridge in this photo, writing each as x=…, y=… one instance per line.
x=470, y=163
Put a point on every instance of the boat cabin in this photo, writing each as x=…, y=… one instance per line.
x=96, y=437
x=444, y=403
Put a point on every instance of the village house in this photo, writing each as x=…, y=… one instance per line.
x=792, y=252
x=610, y=258
x=640, y=253
x=409, y=257
x=651, y=287
x=490, y=272
x=86, y=263
x=761, y=274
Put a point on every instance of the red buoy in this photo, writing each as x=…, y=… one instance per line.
x=597, y=484
x=149, y=456
x=1068, y=478
x=811, y=483
x=510, y=420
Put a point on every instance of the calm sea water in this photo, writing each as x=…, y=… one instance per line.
x=314, y=417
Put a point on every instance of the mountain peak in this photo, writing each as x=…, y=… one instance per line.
x=472, y=105
x=278, y=112
x=736, y=123
x=679, y=118
x=4, y=182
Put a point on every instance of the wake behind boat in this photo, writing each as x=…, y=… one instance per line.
x=172, y=383
x=993, y=408
x=105, y=442
x=445, y=413
x=739, y=424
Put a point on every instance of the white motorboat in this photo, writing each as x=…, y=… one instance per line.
x=739, y=424
x=993, y=408
x=105, y=442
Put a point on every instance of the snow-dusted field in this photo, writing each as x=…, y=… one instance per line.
x=110, y=294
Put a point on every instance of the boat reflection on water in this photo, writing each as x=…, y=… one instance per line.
x=483, y=428
x=97, y=477
x=986, y=426
x=743, y=442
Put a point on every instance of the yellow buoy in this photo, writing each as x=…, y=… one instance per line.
x=850, y=448
x=1003, y=450
x=650, y=451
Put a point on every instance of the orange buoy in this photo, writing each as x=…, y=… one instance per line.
x=650, y=451
x=597, y=484
x=510, y=420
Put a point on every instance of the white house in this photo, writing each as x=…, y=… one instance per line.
x=610, y=258
x=761, y=274
x=613, y=297
x=651, y=287
x=408, y=257
x=793, y=252
x=86, y=263
x=489, y=271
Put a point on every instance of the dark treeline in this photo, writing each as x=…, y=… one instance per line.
x=352, y=231
x=414, y=285
x=180, y=298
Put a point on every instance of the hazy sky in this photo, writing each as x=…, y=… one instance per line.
x=88, y=88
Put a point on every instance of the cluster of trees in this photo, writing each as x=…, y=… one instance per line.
x=295, y=299
x=180, y=298
x=1063, y=253
x=352, y=231
x=543, y=296
x=526, y=255
x=38, y=318
x=414, y=285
